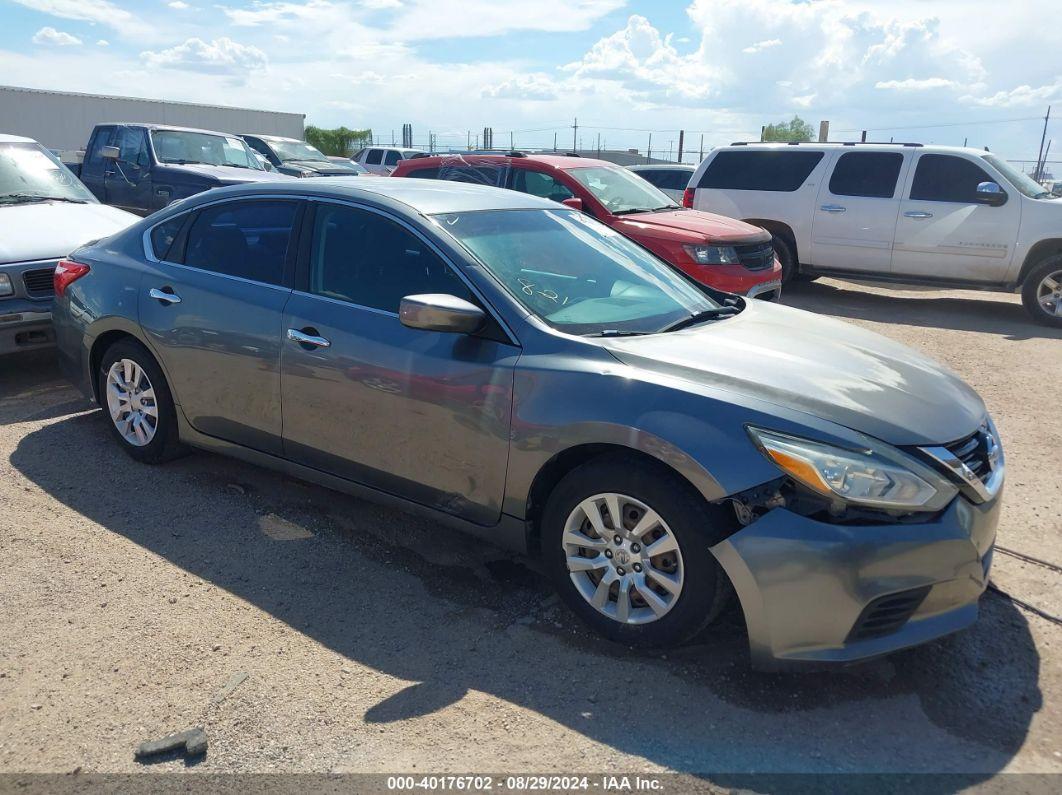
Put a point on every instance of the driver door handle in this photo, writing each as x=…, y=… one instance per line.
x=303, y=338
x=164, y=296
x=832, y=208
x=917, y=214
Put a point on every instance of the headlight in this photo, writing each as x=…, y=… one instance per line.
x=713, y=255
x=883, y=478
x=6, y=288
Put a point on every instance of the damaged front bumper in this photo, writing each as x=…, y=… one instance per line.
x=814, y=592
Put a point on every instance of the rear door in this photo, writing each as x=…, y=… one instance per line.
x=855, y=215
x=212, y=307
x=419, y=414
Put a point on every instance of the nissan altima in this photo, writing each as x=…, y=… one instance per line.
x=521, y=371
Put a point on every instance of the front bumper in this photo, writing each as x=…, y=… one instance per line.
x=24, y=328
x=768, y=290
x=806, y=587
x=736, y=279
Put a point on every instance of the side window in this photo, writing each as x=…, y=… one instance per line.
x=871, y=174
x=362, y=257
x=392, y=158
x=247, y=239
x=374, y=158
x=946, y=178
x=164, y=235
x=673, y=179
x=483, y=174
x=424, y=173
x=132, y=147
x=100, y=139
x=783, y=171
x=539, y=184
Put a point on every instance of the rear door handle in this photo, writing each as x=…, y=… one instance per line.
x=164, y=296
x=304, y=338
x=917, y=214
x=832, y=208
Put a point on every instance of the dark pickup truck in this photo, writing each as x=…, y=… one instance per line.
x=143, y=167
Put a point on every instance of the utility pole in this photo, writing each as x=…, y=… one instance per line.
x=649, y=150
x=512, y=141
x=599, y=146
x=863, y=139
x=701, y=152
x=392, y=136
x=682, y=136
x=1043, y=137
x=824, y=131
x=468, y=143
x=554, y=142
x=575, y=134
x=670, y=146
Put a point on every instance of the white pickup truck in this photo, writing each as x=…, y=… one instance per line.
x=45, y=213
x=909, y=213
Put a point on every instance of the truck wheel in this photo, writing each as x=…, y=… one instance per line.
x=1042, y=291
x=626, y=544
x=137, y=401
x=783, y=249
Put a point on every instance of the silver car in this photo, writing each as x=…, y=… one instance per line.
x=521, y=371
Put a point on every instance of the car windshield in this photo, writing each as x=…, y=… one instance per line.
x=621, y=191
x=1018, y=178
x=296, y=150
x=575, y=273
x=30, y=173
x=181, y=146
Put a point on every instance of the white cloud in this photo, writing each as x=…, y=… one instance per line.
x=220, y=56
x=179, y=5
x=534, y=87
x=103, y=43
x=1022, y=96
x=101, y=11
x=55, y=38
x=762, y=45
x=916, y=84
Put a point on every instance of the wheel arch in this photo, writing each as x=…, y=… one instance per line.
x=1040, y=251
x=781, y=229
x=105, y=340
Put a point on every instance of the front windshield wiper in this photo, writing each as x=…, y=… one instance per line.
x=615, y=332
x=632, y=210
x=28, y=198
x=182, y=162
x=698, y=317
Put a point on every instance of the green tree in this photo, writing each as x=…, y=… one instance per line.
x=795, y=130
x=340, y=141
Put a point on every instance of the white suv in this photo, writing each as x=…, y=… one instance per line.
x=909, y=213
x=382, y=160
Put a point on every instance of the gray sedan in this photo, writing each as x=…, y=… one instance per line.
x=521, y=371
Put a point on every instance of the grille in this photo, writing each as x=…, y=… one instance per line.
x=757, y=256
x=887, y=614
x=977, y=452
x=38, y=282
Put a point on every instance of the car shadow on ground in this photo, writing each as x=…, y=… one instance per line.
x=974, y=311
x=422, y=603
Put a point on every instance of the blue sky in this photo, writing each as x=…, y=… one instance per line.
x=937, y=71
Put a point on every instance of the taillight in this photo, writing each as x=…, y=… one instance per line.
x=66, y=273
x=687, y=197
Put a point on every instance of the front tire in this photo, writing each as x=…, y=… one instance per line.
x=626, y=543
x=136, y=399
x=1041, y=292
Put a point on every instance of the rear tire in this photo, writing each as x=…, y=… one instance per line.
x=1041, y=292
x=137, y=403
x=603, y=582
x=783, y=249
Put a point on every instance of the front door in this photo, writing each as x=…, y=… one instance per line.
x=216, y=318
x=127, y=181
x=420, y=414
x=855, y=214
x=944, y=231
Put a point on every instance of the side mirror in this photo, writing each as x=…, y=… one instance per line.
x=574, y=202
x=439, y=312
x=110, y=152
x=990, y=193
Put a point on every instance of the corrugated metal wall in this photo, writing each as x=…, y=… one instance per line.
x=64, y=121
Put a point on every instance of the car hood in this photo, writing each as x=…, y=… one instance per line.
x=227, y=174
x=709, y=226
x=833, y=370
x=50, y=230
x=323, y=167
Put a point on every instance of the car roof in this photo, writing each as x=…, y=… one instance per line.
x=557, y=161
x=15, y=139
x=428, y=197
x=851, y=145
x=165, y=127
x=272, y=137
x=663, y=167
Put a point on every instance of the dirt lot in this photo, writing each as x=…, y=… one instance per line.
x=132, y=596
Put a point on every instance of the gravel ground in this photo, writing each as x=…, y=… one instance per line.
x=309, y=631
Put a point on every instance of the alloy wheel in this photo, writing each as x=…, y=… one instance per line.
x=131, y=402
x=1049, y=294
x=623, y=558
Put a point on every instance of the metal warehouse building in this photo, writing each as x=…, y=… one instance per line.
x=63, y=120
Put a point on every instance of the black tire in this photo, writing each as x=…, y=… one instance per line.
x=1030, y=290
x=695, y=524
x=165, y=444
x=783, y=249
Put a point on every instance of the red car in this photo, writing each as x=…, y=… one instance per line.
x=717, y=251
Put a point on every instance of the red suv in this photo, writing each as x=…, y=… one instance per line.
x=717, y=251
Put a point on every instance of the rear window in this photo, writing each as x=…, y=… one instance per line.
x=667, y=179
x=869, y=174
x=757, y=170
